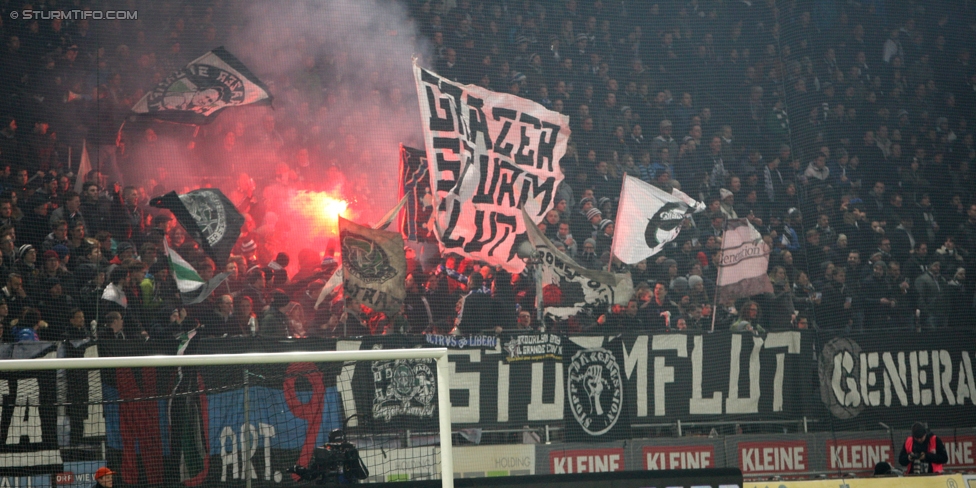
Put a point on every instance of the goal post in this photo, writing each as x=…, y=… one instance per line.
x=438, y=355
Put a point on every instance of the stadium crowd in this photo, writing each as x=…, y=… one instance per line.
x=843, y=132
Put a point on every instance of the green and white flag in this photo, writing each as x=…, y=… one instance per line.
x=188, y=281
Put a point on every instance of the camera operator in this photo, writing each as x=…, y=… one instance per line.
x=923, y=452
x=336, y=462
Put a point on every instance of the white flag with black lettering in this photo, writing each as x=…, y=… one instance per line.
x=648, y=218
x=745, y=259
x=490, y=154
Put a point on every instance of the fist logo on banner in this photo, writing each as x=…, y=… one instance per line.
x=596, y=392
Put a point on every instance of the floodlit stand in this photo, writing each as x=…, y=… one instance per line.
x=438, y=354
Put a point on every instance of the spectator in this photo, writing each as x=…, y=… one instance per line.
x=836, y=313
x=959, y=302
x=524, y=323
x=256, y=289
x=274, y=323
x=113, y=328
x=244, y=317
x=932, y=289
x=77, y=327
x=57, y=307
x=28, y=325
x=220, y=321
x=779, y=304
x=748, y=320
x=657, y=312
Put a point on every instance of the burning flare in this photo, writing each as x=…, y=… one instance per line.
x=322, y=211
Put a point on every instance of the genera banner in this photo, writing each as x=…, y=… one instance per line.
x=869, y=378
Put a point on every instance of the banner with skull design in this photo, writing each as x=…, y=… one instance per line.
x=209, y=218
x=374, y=267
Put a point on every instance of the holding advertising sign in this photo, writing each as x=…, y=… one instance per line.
x=490, y=154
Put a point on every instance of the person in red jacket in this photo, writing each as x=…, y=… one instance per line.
x=103, y=478
x=923, y=452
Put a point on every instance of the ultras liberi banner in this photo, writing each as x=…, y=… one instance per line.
x=490, y=154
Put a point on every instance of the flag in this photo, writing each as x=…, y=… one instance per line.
x=188, y=281
x=334, y=281
x=415, y=186
x=188, y=416
x=374, y=267
x=84, y=167
x=579, y=287
x=745, y=259
x=391, y=215
x=115, y=294
x=647, y=219
x=489, y=155
x=337, y=276
x=209, y=217
x=196, y=93
x=693, y=204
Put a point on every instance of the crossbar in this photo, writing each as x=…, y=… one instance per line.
x=220, y=359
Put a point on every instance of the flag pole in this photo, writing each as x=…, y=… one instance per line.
x=718, y=276
x=613, y=238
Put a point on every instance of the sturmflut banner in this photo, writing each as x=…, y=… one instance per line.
x=490, y=154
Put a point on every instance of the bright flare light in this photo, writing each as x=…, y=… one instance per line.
x=332, y=206
x=322, y=210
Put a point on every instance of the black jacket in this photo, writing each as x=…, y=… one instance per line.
x=940, y=456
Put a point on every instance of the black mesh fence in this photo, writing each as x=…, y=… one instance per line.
x=838, y=130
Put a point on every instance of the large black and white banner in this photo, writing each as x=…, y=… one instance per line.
x=490, y=154
x=598, y=385
x=28, y=414
x=495, y=382
x=665, y=377
x=868, y=378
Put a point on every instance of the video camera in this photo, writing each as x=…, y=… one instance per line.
x=335, y=462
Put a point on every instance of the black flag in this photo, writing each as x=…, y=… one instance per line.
x=196, y=93
x=209, y=217
x=415, y=183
